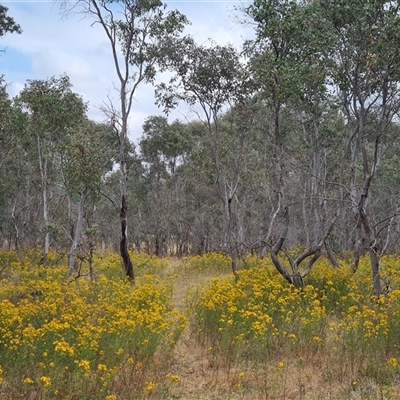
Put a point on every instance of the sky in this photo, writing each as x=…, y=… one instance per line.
x=51, y=46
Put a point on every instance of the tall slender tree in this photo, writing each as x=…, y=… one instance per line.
x=141, y=35
x=291, y=81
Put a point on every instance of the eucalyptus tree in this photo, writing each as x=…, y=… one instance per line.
x=285, y=61
x=53, y=112
x=156, y=175
x=6, y=140
x=364, y=58
x=196, y=210
x=141, y=35
x=274, y=62
x=211, y=78
x=304, y=50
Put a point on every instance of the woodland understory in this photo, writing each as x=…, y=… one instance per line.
x=187, y=329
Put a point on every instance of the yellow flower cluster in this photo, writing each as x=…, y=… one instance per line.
x=393, y=362
x=150, y=386
x=54, y=331
x=173, y=378
x=45, y=380
x=64, y=337
x=262, y=311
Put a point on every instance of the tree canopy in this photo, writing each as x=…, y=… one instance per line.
x=7, y=23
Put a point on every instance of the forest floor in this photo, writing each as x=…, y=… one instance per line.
x=204, y=375
x=219, y=339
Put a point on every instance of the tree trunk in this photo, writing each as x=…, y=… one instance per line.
x=43, y=174
x=122, y=137
x=123, y=246
x=376, y=277
x=16, y=230
x=277, y=247
x=331, y=256
x=77, y=235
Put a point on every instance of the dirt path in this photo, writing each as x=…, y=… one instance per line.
x=201, y=377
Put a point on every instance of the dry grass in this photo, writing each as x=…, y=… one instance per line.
x=204, y=375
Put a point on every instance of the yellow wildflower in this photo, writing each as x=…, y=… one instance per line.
x=317, y=339
x=85, y=365
x=280, y=365
x=45, y=380
x=173, y=378
x=102, y=367
x=393, y=362
x=150, y=386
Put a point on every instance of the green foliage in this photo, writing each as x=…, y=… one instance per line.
x=286, y=56
x=164, y=146
x=7, y=23
x=52, y=106
x=146, y=35
x=212, y=76
x=87, y=155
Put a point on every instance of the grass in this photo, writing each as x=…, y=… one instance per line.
x=186, y=330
